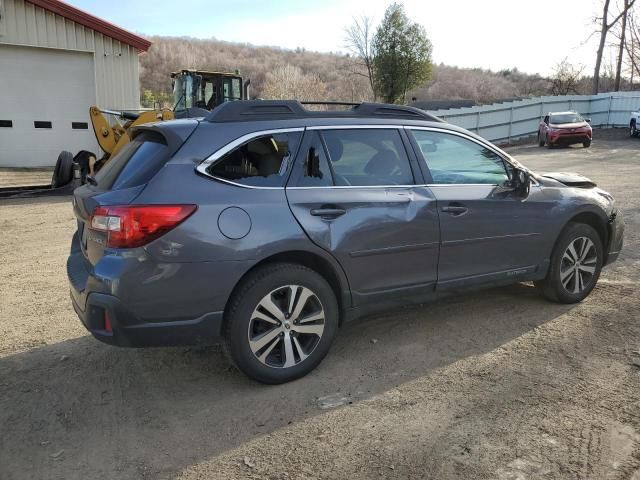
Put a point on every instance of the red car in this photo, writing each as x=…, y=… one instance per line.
x=564, y=128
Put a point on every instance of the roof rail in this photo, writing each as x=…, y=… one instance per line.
x=251, y=110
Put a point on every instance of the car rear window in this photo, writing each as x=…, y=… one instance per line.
x=136, y=163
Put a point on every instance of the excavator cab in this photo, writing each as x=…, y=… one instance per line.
x=197, y=91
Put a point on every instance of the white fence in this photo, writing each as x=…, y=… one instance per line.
x=504, y=122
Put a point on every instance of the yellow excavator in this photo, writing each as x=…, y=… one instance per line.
x=195, y=93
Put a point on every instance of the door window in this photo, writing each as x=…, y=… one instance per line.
x=456, y=160
x=362, y=157
x=263, y=161
x=231, y=89
x=315, y=167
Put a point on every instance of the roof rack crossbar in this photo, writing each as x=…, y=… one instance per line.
x=291, y=109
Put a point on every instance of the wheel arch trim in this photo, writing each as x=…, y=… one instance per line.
x=315, y=259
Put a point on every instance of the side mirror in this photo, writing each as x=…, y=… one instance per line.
x=588, y=120
x=523, y=182
x=518, y=184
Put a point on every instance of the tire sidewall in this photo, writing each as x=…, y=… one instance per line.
x=63, y=172
x=237, y=324
x=571, y=232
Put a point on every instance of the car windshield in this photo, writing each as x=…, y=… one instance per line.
x=566, y=118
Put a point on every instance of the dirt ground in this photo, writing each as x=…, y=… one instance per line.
x=496, y=385
x=17, y=177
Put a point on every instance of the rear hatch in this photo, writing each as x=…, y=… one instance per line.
x=123, y=178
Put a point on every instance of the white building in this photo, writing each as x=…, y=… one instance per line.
x=55, y=62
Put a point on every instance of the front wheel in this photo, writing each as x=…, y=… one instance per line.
x=546, y=141
x=281, y=323
x=586, y=143
x=633, y=132
x=575, y=267
x=540, y=140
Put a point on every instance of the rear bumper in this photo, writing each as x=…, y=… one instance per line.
x=128, y=331
x=172, y=317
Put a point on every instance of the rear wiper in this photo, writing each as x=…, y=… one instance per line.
x=91, y=180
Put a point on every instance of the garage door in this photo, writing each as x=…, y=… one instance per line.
x=45, y=96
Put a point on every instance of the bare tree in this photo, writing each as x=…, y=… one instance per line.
x=566, y=78
x=605, y=26
x=290, y=82
x=623, y=32
x=359, y=42
x=632, y=45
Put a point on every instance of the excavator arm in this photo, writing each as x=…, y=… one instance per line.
x=111, y=138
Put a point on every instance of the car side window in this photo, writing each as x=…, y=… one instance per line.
x=365, y=157
x=452, y=159
x=263, y=161
x=315, y=167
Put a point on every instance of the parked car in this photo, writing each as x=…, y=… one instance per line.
x=634, y=121
x=266, y=226
x=564, y=128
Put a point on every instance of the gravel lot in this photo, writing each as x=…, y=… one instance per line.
x=499, y=384
x=16, y=177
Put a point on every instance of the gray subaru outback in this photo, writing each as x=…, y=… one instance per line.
x=265, y=226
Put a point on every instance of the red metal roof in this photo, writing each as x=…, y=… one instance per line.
x=95, y=23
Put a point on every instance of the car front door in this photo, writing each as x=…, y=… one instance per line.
x=354, y=193
x=487, y=233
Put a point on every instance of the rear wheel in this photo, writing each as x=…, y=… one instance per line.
x=575, y=267
x=281, y=323
x=63, y=172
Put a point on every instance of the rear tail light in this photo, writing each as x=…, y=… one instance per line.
x=134, y=226
x=107, y=322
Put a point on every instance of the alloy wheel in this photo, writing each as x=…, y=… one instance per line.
x=578, y=265
x=286, y=326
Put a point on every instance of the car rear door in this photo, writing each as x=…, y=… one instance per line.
x=354, y=192
x=487, y=234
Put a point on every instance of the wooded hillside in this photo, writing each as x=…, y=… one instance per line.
x=328, y=76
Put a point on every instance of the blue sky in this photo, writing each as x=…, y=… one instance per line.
x=491, y=34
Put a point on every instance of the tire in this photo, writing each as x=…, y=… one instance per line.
x=540, y=140
x=586, y=143
x=546, y=141
x=63, y=173
x=560, y=283
x=633, y=132
x=282, y=351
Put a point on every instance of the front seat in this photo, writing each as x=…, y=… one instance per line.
x=264, y=157
x=385, y=164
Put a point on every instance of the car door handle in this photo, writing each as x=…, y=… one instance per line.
x=324, y=212
x=455, y=210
